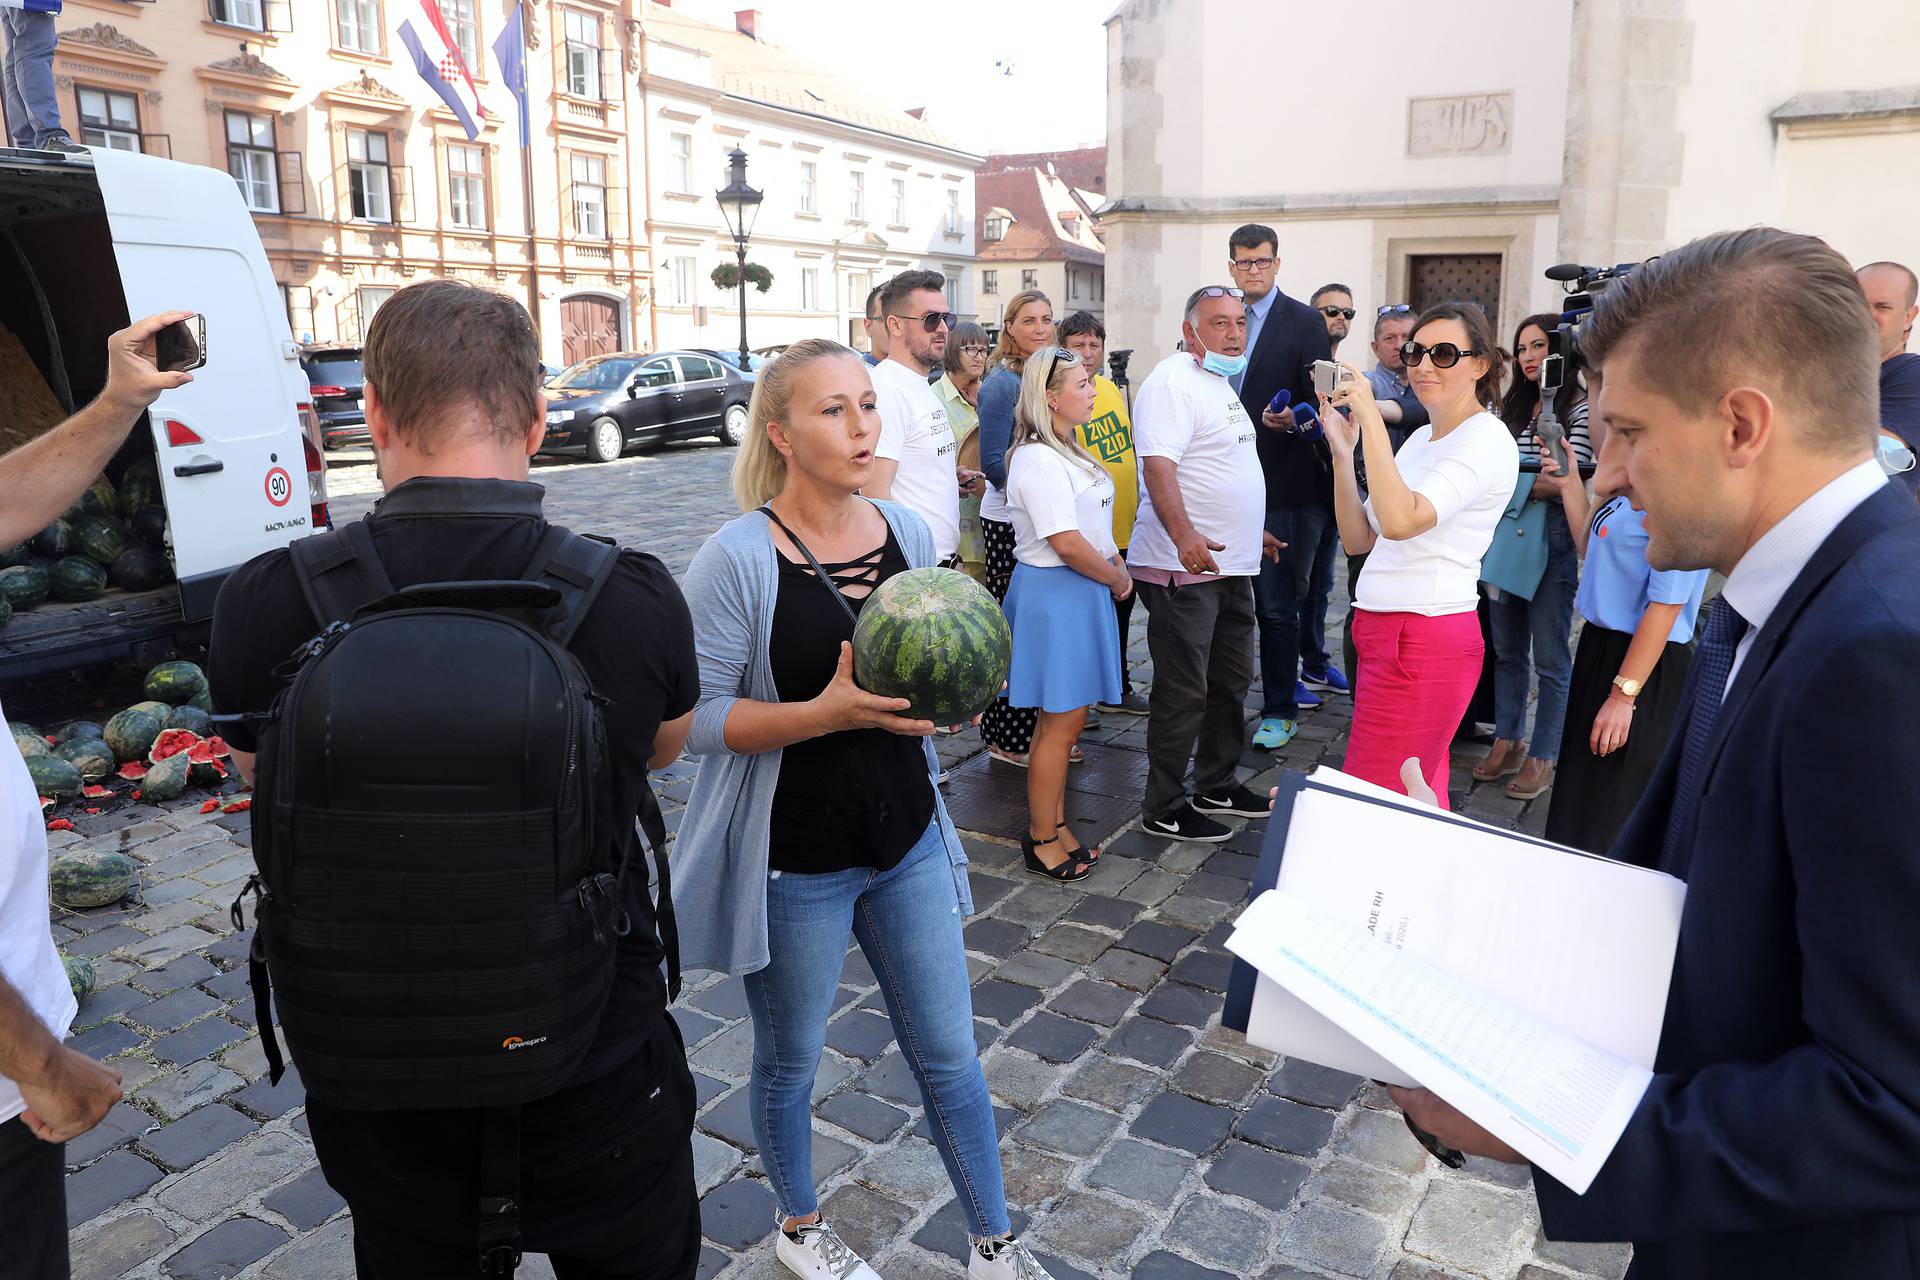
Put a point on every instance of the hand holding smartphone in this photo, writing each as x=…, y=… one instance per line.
x=182, y=345
x=1327, y=376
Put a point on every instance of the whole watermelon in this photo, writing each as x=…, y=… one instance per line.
x=202, y=700
x=55, y=777
x=141, y=568
x=80, y=975
x=78, y=578
x=166, y=780
x=6, y=611
x=936, y=638
x=92, y=757
x=175, y=683
x=78, y=731
x=14, y=555
x=149, y=525
x=100, y=499
x=24, y=586
x=99, y=539
x=131, y=733
x=139, y=487
x=154, y=707
x=192, y=719
x=30, y=745
x=83, y=878
x=54, y=541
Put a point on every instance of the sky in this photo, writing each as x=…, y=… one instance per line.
x=994, y=75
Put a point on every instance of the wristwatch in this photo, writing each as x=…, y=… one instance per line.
x=1629, y=687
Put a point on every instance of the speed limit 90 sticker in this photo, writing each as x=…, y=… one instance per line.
x=279, y=486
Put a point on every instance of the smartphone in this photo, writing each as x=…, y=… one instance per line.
x=1327, y=375
x=182, y=345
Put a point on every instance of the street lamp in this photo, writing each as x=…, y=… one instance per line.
x=740, y=207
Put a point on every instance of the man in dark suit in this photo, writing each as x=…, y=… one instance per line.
x=1781, y=1133
x=1284, y=337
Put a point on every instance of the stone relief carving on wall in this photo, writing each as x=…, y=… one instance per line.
x=1479, y=124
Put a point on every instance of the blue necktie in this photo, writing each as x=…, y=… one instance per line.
x=1712, y=663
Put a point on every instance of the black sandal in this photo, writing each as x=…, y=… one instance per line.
x=1066, y=873
x=1084, y=854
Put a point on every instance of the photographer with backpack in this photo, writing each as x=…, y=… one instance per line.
x=455, y=705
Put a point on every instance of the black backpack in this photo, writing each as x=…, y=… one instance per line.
x=437, y=902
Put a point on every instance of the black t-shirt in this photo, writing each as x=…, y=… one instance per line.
x=635, y=644
x=860, y=797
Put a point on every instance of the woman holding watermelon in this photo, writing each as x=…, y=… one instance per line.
x=1066, y=638
x=814, y=819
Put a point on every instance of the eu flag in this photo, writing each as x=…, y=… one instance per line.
x=510, y=51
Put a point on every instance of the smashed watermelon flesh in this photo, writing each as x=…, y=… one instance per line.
x=172, y=742
x=936, y=638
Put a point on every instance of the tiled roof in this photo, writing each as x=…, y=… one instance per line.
x=1082, y=167
x=763, y=72
x=1052, y=222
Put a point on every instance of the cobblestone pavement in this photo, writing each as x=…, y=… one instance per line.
x=1139, y=1138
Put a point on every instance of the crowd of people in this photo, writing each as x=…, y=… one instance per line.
x=1221, y=499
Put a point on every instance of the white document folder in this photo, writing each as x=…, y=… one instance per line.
x=1414, y=946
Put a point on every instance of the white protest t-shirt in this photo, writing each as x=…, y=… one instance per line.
x=1469, y=478
x=915, y=434
x=28, y=958
x=1048, y=494
x=1195, y=418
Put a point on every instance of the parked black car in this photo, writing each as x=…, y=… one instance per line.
x=605, y=404
x=755, y=361
x=337, y=380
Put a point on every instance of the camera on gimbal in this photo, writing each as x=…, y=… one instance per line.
x=1563, y=360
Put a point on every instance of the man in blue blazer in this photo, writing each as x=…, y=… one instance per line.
x=1284, y=337
x=1781, y=1133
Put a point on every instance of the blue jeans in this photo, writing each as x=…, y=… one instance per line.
x=1543, y=625
x=1290, y=599
x=26, y=79
x=907, y=922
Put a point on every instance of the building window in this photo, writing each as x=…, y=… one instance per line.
x=372, y=298
x=467, y=186
x=237, y=13
x=1099, y=286
x=682, y=161
x=809, y=172
x=1029, y=279
x=809, y=288
x=109, y=119
x=583, y=55
x=369, y=177
x=682, y=277
x=899, y=202
x=463, y=21
x=857, y=197
x=250, y=160
x=953, y=212
x=989, y=282
x=995, y=228
x=1073, y=283
x=590, y=197
x=953, y=293
x=361, y=26
x=857, y=292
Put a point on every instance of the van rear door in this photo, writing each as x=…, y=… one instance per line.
x=229, y=444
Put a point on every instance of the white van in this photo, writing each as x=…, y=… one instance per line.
x=88, y=242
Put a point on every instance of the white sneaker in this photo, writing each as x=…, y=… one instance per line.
x=820, y=1254
x=1010, y=1260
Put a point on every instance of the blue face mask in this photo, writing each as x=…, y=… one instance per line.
x=1225, y=366
x=1895, y=457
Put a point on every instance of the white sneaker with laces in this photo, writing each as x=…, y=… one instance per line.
x=816, y=1252
x=1010, y=1260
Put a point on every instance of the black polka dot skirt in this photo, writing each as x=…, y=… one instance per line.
x=1005, y=727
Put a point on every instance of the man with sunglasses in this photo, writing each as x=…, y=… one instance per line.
x=916, y=459
x=1334, y=302
x=1284, y=337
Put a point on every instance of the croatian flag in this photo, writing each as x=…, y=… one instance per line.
x=439, y=63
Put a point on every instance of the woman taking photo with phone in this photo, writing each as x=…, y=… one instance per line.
x=1533, y=571
x=1424, y=527
x=1066, y=640
x=1025, y=327
x=814, y=818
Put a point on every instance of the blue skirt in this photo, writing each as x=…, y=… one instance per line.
x=1066, y=640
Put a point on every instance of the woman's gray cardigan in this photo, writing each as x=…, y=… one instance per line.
x=720, y=853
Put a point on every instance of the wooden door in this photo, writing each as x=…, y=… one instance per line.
x=1455, y=277
x=589, y=327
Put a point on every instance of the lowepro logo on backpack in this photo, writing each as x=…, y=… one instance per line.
x=515, y=1042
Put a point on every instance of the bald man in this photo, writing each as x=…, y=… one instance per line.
x=1893, y=293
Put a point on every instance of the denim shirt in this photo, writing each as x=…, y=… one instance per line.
x=720, y=853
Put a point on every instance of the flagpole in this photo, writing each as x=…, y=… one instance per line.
x=533, y=242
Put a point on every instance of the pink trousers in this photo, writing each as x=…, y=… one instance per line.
x=1417, y=675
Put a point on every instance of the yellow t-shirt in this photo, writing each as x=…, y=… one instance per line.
x=1109, y=436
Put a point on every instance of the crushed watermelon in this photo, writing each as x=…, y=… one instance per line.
x=93, y=810
x=59, y=824
x=133, y=771
x=238, y=806
x=95, y=792
x=172, y=742
x=209, y=806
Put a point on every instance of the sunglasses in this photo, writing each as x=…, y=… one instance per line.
x=1444, y=354
x=1345, y=313
x=933, y=320
x=1394, y=309
x=1222, y=291
x=1062, y=356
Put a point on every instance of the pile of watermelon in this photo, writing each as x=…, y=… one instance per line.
x=113, y=536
